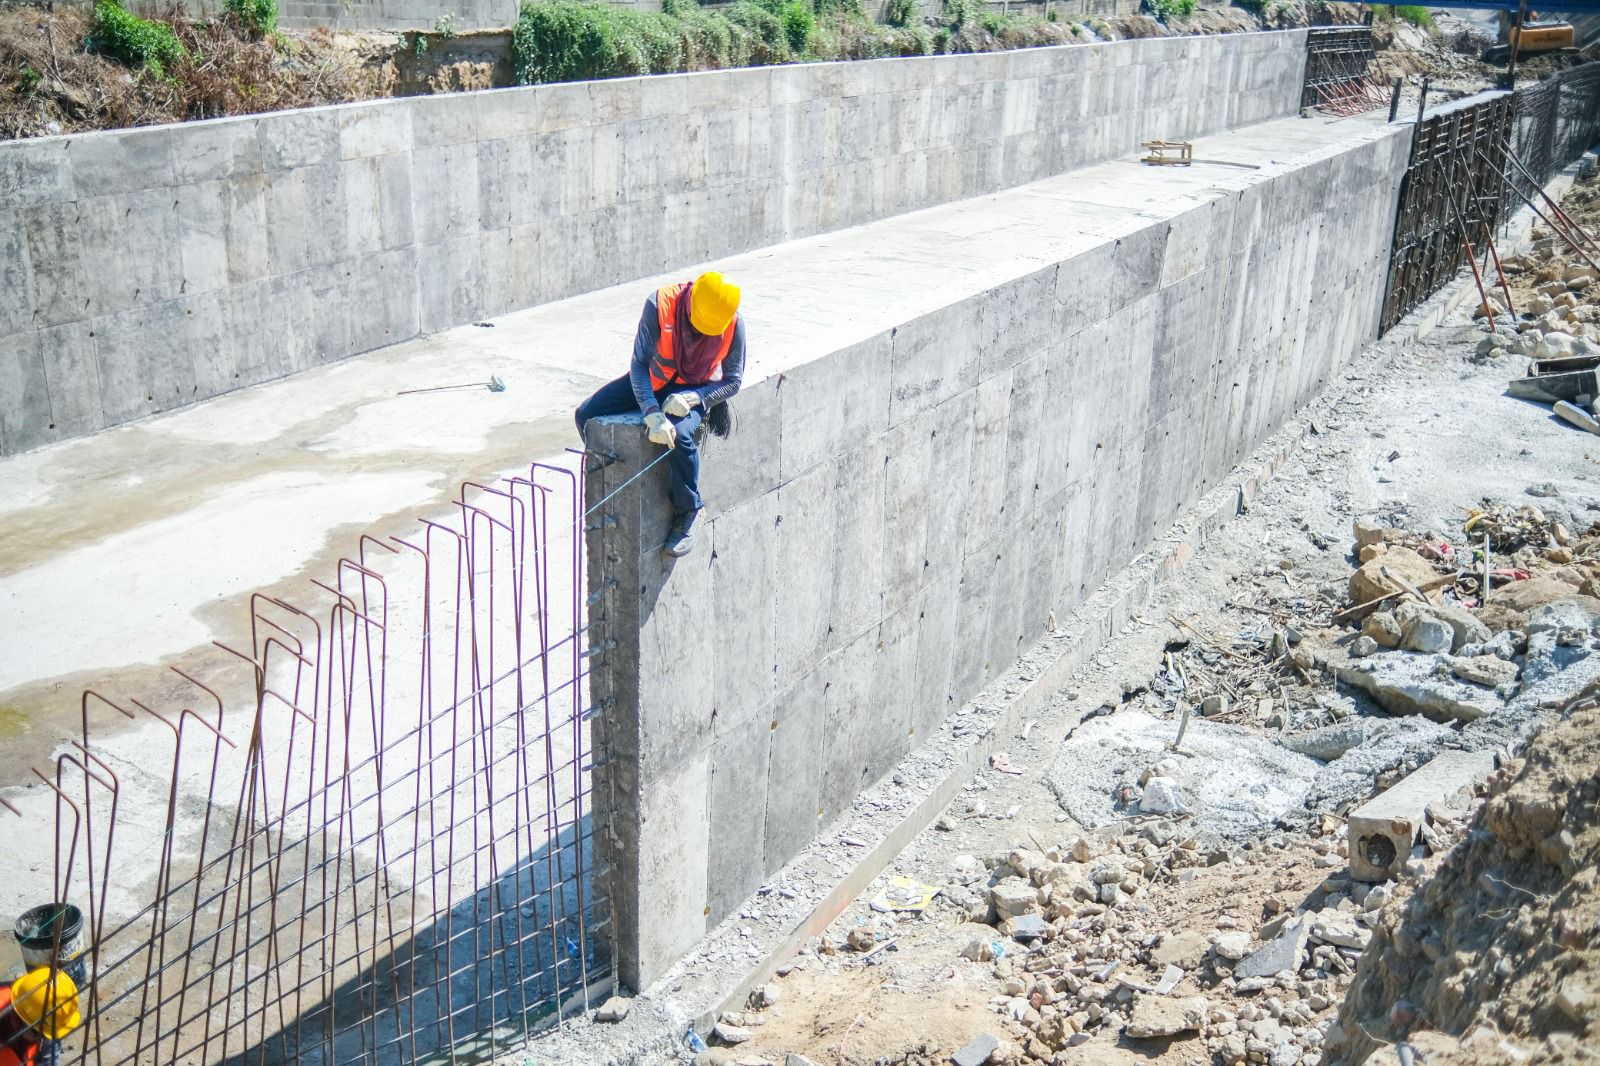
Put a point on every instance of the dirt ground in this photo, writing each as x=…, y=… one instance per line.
x=1127, y=931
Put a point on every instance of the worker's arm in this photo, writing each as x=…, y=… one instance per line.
x=732, y=371
x=644, y=344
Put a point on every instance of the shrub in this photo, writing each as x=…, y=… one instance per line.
x=1415, y=14
x=798, y=22
x=28, y=79
x=1165, y=10
x=899, y=12
x=132, y=40
x=259, y=17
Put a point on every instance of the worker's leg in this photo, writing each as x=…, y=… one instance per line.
x=612, y=398
x=685, y=464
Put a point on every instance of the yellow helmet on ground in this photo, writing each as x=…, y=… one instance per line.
x=47, y=1002
x=713, y=301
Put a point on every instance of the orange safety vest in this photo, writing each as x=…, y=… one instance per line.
x=664, y=365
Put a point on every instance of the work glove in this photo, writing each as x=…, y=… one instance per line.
x=660, y=430
x=681, y=403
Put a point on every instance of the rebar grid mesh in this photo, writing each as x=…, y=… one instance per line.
x=392, y=862
x=1337, y=63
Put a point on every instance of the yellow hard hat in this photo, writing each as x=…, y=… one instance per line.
x=713, y=301
x=47, y=1002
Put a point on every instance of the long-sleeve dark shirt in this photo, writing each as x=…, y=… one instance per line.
x=644, y=346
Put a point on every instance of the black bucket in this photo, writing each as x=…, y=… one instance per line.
x=52, y=935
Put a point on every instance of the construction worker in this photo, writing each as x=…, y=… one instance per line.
x=688, y=362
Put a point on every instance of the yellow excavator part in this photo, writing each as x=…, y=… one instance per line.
x=1542, y=36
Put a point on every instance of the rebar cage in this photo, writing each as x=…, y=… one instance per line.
x=392, y=859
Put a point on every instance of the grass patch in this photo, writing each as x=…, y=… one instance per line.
x=130, y=39
x=1415, y=14
x=258, y=17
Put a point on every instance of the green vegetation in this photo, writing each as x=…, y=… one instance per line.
x=572, y=40
x=260, y=17
x=132, y=40
x=1415, y=14
x=445, y=26
x=28, y=79
x=1167, y=10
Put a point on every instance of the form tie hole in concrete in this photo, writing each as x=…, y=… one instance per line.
x=1379, y=851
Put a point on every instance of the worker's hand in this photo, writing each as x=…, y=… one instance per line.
x=681, y=403
x=661, y=431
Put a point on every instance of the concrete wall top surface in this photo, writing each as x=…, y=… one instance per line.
x=145, y=269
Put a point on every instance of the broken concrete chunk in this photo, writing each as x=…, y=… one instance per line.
x=1524, y=596
x=1281, y=954
x=1368, y=533
x=1329, y=742
x=1427, y=635
x=1340, y=930
x=1382, y=830
x=1557, y=615
x=614, y=1009
x=764, y=996
x=1232, y=946
x=1368, y=582
x=1025, y=928
x=1363, y=646
x=1184, y=949
x=1485, y=670
x=1407, y=684
x=797, y=1060
x=730, y=1034
x=1013, y=896
x=1169, y=980
x=1382, y=628
x=1158, y=1016
x=976, y=1053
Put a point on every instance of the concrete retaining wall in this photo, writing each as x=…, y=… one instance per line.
x=145, y=269
x=894, y=522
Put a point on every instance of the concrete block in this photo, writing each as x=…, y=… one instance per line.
x=744, y=587
x=34, y=172
x=245, y=228
x=738, y=802
x=445, y=190
x=855, y=740
x=292, y=140
x=1015, y=320
x=56, y=263
x=215, y=150
x=25, y=420
x=909, y=482
x=986, y=476
x=448, y=283
x=794, y=777
x=932, y=358
x=746, y=464
x=445, y=120
x=841, y=397
x=672, y=870
x=16, y=285
x=140, y=233
x=203, y=236
x=144, y=366
x=369, y=129
x=122, y=161
x=675, y=647
x=1383, y=830
x=806, y=536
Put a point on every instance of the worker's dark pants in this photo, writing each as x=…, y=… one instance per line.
x=616, y=398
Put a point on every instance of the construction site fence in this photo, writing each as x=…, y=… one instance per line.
x=1556, y=120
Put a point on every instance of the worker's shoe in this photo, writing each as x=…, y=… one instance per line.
x=680, y=538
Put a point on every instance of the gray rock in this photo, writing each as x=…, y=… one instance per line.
x=730, y=1034
x=614, y=1009
x=1408, y=684
x=1503, y=645
x=1363, y=646
x=1026, y=927
x=1428, y=635
x=1562, y=614
x=1233, y=946
x=1013, y=896
x=797, y=1060
x=1383, y=629
x=1485, y=670
x=1214, y=705
x=765, y=996
x=1329, y=742
x=1158, y=1016
x=1281, y=954
x=1545, y=489
x=977, y=1052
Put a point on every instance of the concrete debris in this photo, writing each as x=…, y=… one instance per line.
x=730, y=1034
x=1014, y=896
x=1402, y=683
x=764, y=996
x=1487, y=670
x=1155, y=1016
x=1383, y=829
x=1382, y=628
x=1162, y=796
x=977, y=1052
x=1329, y=742
x=1281, y=954
x=1169, y=980
x=1404, y=566
x=613, y=1009
x=1232, y=946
